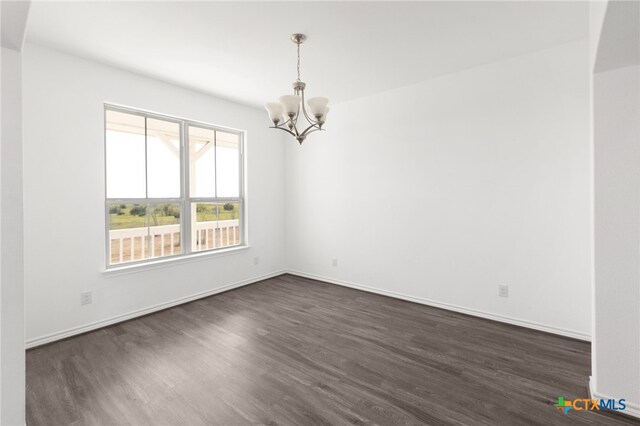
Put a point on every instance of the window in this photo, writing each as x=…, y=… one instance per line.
x=173, y=187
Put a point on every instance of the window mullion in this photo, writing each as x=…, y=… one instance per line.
x=149, y=240
x=186, y=189
x=215, y=162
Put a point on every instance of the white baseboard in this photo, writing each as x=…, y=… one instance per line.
x=632, y=410
x=477, y=313
x=38, y=341
x=41, y=340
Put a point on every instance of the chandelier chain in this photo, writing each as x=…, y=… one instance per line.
x=298, y=61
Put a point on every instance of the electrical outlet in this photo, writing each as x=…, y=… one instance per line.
x=256, y=260
x=334, y=262
x=503, y=290
x=85, y=298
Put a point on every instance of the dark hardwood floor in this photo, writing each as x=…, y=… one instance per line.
x=295, y=351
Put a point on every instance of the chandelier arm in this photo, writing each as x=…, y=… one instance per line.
x=284, y=122
x=281, y=126
x=295, y=122
x=285, y=130
x=304, y=110
x=308, y=130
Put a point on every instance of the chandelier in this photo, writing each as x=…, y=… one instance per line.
x=285, y=114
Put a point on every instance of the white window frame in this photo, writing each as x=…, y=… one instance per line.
x=185, y=199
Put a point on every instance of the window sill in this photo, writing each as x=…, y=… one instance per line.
x=163, y=263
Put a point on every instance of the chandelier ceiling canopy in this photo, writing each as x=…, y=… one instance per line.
x=285, y=114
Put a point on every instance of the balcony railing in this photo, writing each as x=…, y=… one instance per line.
x=133, y=244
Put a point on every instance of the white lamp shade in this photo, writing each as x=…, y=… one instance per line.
x=317, y=105
x=324, y=115
x=275, y=111
x=290, y=103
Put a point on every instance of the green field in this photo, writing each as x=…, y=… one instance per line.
x=126, y=216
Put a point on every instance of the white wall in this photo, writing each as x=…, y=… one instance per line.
x=617, y=234
x=443, y=190
x=64, y=195
x=616, y=131
x=12, y=363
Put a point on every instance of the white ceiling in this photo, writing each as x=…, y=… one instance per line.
x=241, y=50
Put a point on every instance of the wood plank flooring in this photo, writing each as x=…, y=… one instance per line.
x=294, y=351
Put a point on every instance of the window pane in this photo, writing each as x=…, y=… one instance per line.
x=163, y=159
x=204, y=221
x=215, y=225
x=228, y=164
x=143, y=231
x=229, y=224
x=164, y=229
x=202, y=162
x=128, y=233
x=125, y=155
